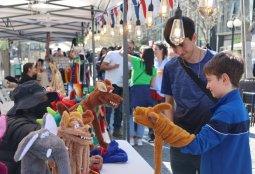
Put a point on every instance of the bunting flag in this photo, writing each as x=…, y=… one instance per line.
x=144, y=7
x=112, y=18
x=136, y=7
x=171, y=3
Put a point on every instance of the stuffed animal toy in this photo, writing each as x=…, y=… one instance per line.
x=101, y=95
x=42, y=145
x=57, y=82
x=164, y=130
x=3, y=128
x=96, y=163
x=113, y=154
x=77, y=138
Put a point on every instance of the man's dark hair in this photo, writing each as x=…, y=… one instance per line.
x=189, y=28
x=26, y=67
x=131, y=41
x=226, y=62
x=39, y=60
x=111, y=48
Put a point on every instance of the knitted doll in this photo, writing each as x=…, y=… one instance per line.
x=42, y=145
x=77, y=138
x=164, y=130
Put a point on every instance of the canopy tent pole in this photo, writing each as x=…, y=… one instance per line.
x=82, y=34
x=93, y=45
x=126, y=107
x=47, y=46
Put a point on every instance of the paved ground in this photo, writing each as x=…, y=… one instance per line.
x=146, y=151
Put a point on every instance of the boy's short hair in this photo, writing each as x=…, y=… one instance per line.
x=226, y=62
x=188, y=25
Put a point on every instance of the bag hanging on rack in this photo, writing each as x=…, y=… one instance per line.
x=155, y=95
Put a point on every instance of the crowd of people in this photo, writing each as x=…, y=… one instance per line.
x=200, y=84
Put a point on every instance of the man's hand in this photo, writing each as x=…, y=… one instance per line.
x=106, y=66
x=115, y=66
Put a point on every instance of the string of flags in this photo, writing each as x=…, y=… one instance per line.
x=138, y=12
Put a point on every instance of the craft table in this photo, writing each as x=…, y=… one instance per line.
x=135, y=163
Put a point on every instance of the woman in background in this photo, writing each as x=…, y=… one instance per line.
x=29, y=73
x=42, y=76
x=161, y=53
x=142, y=78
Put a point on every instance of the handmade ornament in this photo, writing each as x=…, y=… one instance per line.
x=164, y=130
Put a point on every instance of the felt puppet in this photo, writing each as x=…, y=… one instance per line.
x=39, y=146
x=3, y=128
x=77, y=138
x=101, y=95
x=164, y=130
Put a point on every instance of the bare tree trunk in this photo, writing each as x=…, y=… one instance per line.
x=246, y=38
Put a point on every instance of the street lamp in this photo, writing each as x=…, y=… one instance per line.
x=232, y=24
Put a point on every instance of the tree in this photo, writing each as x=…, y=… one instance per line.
x=203, y=23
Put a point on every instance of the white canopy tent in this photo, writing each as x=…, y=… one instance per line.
x=31, y=19
x=63, y=19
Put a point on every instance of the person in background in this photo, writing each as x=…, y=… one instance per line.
x=30, y=103
x=42, y=76
x=29, y=73
x=160, y=53
x=101, y=73
x=59, y=53
x=131, y=48
x=191, y=103
x=113, y=67
x=110, y=48
x=142, y=78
